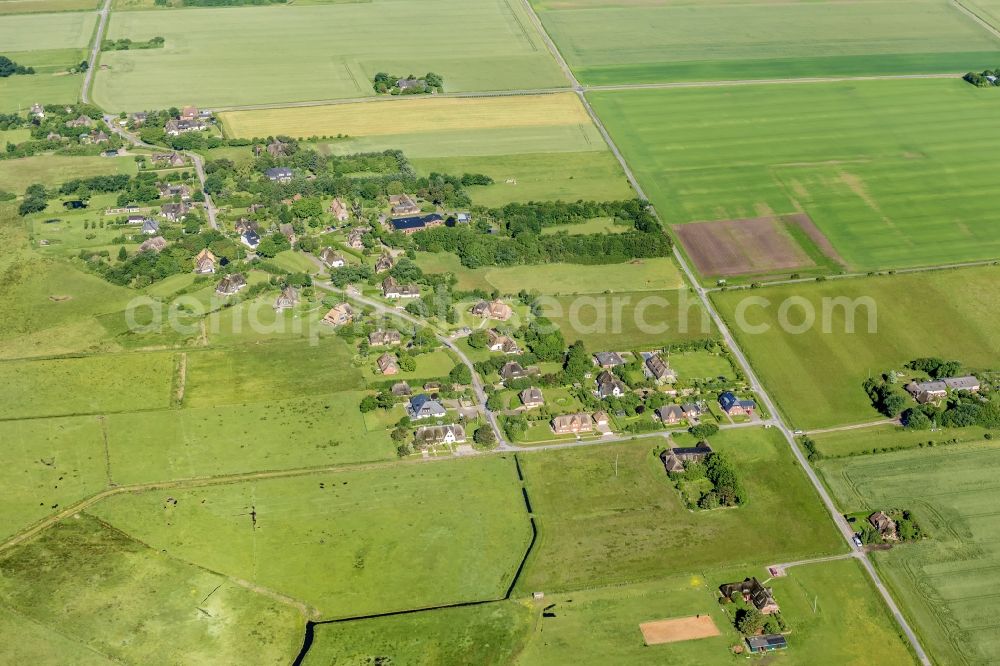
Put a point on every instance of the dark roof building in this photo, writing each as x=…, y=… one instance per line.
x=766, y=643
x=415, y=223
x=279, y=174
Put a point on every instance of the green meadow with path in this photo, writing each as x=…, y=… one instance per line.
x=939, y=581
x=609, y=42
x=891, y=172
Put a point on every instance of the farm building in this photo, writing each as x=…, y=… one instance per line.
x=403, y=204
x=766, y=643
x=415, y=223
x=885, y=525
x=932, y=391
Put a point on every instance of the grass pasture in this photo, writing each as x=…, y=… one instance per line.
x=17, y=174
x=818, y=383
x=486, y=634
x=597, y=529
x=40, y=32
x=353, y=542
x=48, y=463
x=854, y=157
x=622, y=41
x=46, y=6
x=939, y=582
x=224, y=56
x=862, y=441
x=307, y=431
x=86, y=385
x=99, y=592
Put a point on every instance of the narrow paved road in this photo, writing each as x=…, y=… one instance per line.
x=751, y=375
x=95, y=49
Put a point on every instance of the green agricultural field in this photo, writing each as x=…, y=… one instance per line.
x=86, y=385
x=260, y=434
x=538, y=176
x=489, y=634
x=556, y=279
x=629, y=320
x=596, y=528
x=852, y=156
x=862, y=441
x=101, y=593
x=817, y=382
x=939, y=582
x=39, y=32
x=271, y=370
x=224, y=56
x=38, y=644
x=988, y=10
x=18, y=93
x=17, y=174
x=623, y=41
x=39, y=6
x=353, y=542
x=48, y=464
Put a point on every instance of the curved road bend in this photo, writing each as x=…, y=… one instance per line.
x=755, y=383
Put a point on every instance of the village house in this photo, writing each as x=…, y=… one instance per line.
x=150, y=226
x=387, y=364
x=608, y=360
x=883, y=524
x=670, y=414
x=189, y=113
x=135, y=219
x=230, y=284
x=204, y=263
x=752, y=592
x=138, y=118
x=513, y=370
x=461, y=218
x=674, y=459
x=331, y=258
x=339, y=315
x=288, y=298
x=80, y=121
x=37, y=110
x=403, y=204
x=383, y=264
x=355, y=239
x=602, y=419
x=112, y=152
x=659, y=369
x=168, y=190
x=381, y=338
x=608, y=385
x=172, y=159
x=400, y=389
x=277, y=148
x=174, y=212
x=411, y=84
x=178, y=127
x=98, y=136
x=156, y=244
x=423, y=407
x=497, y=310
x=53, y=136
x=572, y=424
x=443, y=434
x=339, y=210
x=279, y=174
x=691, y=412
x=243, y=225
x=497, y=342
x=733, y=406
x=250, y=238
x=288, y=232
x=393, y=290
x=415, y=223
x=531, y=398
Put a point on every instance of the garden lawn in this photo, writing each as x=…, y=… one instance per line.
x=353, y=542
x=939, y=582
x=85, y=385
x=818, y=381
x=308, y=431
x=488, y=634
x=700, y=365
x=48, y=464
x=623, y=41
x=556, y=176
x=598, y=528
x=225, y=56
x=433, y=365
x=89, y=584
x=888, y=186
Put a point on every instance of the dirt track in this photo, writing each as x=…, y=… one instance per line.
x=678, y=629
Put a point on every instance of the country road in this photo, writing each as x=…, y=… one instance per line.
x=748, y=370
x=95, y=49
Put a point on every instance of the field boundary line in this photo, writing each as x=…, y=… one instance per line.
x=975, y=17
